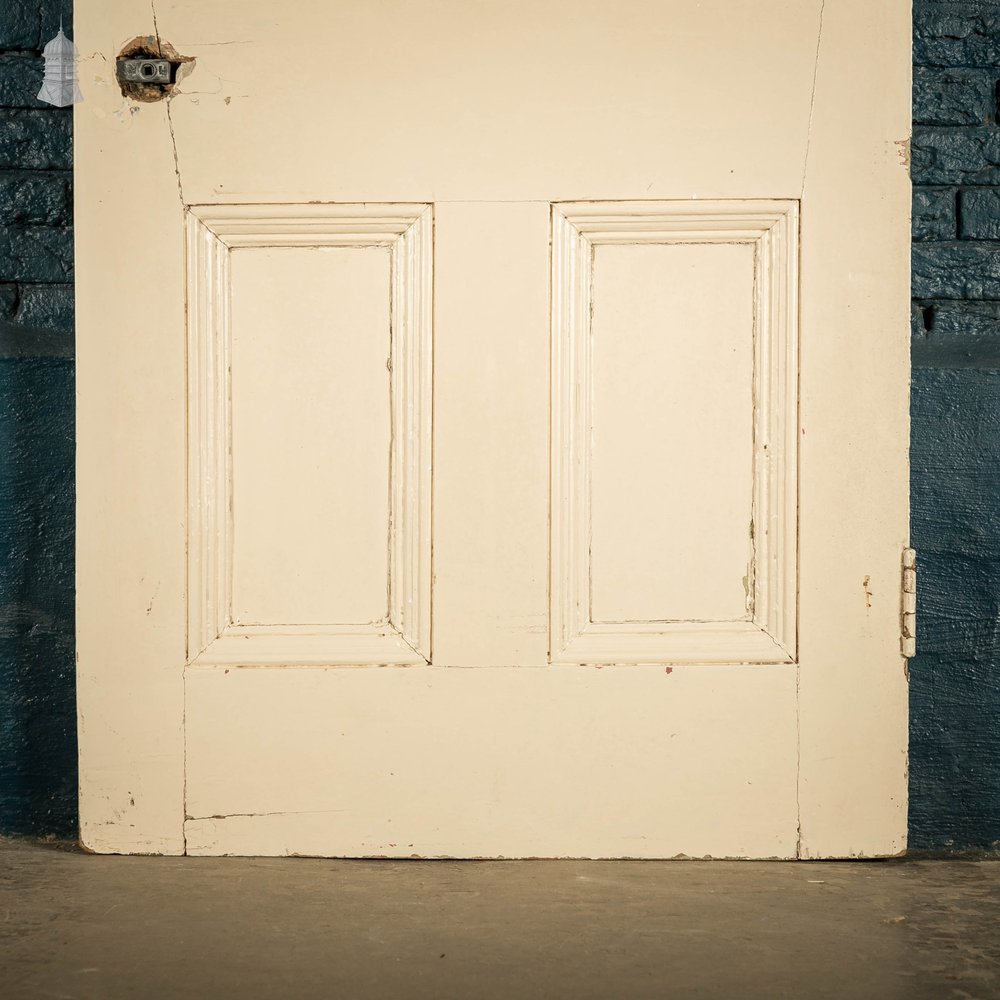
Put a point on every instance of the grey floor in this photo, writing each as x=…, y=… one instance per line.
x=74, y=925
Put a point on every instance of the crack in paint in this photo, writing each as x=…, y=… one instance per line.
x=812, y=97
x=799, y=850
x=798, y=762
x=256, y=815
x=170, y=120
x=177, y=165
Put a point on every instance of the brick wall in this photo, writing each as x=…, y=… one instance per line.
x=955, y=450
x=37, y=712
x=36, y=236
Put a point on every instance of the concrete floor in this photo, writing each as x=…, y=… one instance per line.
x=74, y=925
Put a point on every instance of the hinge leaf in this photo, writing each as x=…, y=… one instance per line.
x=908, y=604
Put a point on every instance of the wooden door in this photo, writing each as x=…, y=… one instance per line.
x=493, y=429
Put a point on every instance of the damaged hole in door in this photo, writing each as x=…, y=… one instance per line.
x=149, y=68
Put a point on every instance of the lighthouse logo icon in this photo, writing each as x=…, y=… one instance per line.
x=59, y=85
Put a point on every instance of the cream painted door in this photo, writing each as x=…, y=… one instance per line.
x=493, y=429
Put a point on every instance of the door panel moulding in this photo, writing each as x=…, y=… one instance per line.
x=768, y=633
x=213, y=232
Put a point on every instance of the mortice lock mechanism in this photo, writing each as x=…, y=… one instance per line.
x=145, y=71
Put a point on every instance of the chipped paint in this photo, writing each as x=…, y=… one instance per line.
x=152, y=47
x=903, y=152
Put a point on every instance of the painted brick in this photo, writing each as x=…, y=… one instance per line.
x=956, y=270
x=956, y=34
x=980, y=214
x=964, y=350
x=959, y=335
x=9, y=295
x=954, y=694
x=954, y=96
x=36, y=253
x=24, y=24
x=37, y=690
x=956, y=502
x=954, y=800
x=36, y=140
x=955, y=155
x=37, y=712
x=20, y=78
x=35, y=199
x=954, y=318
x=934, y=214
x=960, y=591
x=47, y=307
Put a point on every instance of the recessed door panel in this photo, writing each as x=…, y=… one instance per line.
x=311, y=435
x=671, y=490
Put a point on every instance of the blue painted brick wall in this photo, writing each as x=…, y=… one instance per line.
x=955, y=679
x=37, y=691
x=955, y=450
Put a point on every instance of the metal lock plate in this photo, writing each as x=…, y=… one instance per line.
x=156, y=71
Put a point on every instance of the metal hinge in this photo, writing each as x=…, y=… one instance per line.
x=908, y=611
